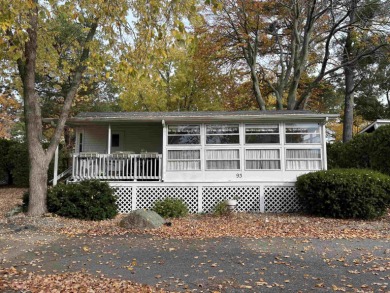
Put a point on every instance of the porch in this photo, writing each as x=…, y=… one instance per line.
x=118, y=166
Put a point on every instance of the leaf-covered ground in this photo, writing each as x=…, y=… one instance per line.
x=68, y=282
x=197, y=227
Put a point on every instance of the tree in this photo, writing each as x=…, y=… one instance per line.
x=373, y=89
x=365, y=33
x=294, y=40
x=238, y=27
x=168, y=70
x=30, y=34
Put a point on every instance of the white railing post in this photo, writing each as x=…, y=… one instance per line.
x=135, y=167
x=160, y=169
x=106, y=167
x=55, y=167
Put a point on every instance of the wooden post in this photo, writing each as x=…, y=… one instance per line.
x=55, y=167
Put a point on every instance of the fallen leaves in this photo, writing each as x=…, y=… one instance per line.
x=255, y=226
x=68, y=282
x=207, y=226
x=10, y=198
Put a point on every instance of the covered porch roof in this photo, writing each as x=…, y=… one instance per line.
x=191, y=117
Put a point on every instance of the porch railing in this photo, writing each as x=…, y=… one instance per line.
x=117, y=166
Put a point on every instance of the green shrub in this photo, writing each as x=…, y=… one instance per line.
x=171, y=208
x=221, y=209
x=19, y=165
x=345, y=193
x=86, y=200
x=5, y=164
x=353, y=154
x=380, y=150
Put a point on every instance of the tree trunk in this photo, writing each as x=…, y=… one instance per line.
x=39, y=163
x=348, y=103
x=256, y=89
x=349, y=77
x=39, y=158
x=38, y=183
x=279, y=100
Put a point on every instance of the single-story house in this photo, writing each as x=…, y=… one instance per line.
x=200, y=157
x=374, y=125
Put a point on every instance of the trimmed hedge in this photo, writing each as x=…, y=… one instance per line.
x=345, y=193
x=86, y=200
x=171, y=208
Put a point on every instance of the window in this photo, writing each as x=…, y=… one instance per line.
x=115, y=140
x=262, y=159
x=303, y=133
x=184, y=134
x=262, y=133
x=303, y=159
x=222, y=134
x=183, y=160
x=222, y=159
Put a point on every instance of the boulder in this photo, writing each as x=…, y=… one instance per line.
x=142, y=219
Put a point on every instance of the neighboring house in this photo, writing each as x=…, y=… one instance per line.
x=201, y=157
x=374, y=125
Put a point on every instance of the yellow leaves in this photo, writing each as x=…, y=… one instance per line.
x=335, y=288
x=86, y=248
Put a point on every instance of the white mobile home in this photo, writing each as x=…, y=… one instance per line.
x=201, y=157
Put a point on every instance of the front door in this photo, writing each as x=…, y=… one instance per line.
x=117, y=141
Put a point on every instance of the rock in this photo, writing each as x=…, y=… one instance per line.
x=142, y=219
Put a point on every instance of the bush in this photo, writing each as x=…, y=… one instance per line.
x=345, y=193
x=5, y=165
x=380, y=150
x=87, y=200
x=15, y=163
x=20, y=167
x=353, y=154
x=171, y=208
x=221, y=209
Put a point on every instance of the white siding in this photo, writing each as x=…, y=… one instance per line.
x=95, y=139
x=140, y=138
x=137, y=138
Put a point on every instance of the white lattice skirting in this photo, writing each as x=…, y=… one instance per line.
x=202, y=198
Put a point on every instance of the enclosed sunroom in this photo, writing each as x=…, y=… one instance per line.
x=201, y=157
